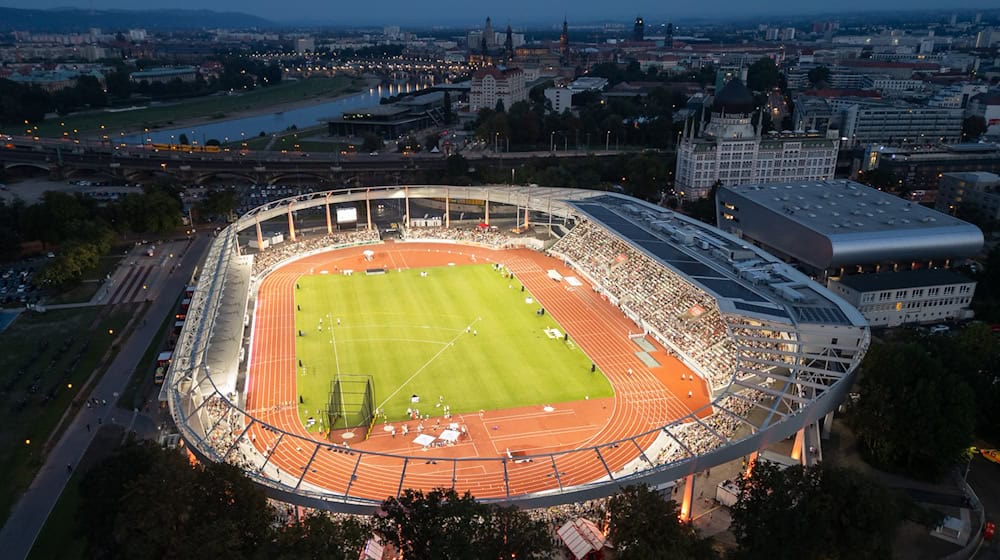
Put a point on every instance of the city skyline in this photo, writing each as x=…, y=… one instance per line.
x=521, y=12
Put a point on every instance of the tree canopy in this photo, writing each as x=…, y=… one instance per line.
x=829, y=513
x=644, y=526
x=762, y=75
x=444, y=524
x=914, y=415
x=149, y=502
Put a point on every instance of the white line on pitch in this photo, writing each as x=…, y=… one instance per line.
x=428, y=362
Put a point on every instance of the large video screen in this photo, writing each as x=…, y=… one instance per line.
x=347, y=214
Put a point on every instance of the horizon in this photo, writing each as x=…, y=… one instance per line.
x=580, y=13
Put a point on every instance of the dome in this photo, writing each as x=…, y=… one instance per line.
x=733, y=98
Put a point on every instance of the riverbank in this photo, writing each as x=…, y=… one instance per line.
x=203, y=110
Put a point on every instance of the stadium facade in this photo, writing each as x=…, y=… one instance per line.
x=777, y=351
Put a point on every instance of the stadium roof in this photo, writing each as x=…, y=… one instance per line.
x=901, y=280
x=743, y=279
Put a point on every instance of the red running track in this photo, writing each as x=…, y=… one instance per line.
x=643, y=400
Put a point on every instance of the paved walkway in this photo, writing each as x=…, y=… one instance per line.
x=29, y=515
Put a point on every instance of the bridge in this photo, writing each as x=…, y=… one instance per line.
x=66, y=159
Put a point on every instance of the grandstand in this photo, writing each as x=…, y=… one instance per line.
x=776, y=351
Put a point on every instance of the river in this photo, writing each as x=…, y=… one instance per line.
x=248, y=127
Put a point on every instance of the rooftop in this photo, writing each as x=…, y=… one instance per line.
x=844, y=207
x=902, y=280
x=742, y=278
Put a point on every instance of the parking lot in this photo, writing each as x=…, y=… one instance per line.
x=16, y=286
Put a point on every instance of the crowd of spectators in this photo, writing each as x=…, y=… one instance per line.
x=712, y=432
x=278, y=253
x=491, y=236
x=222, y=423
x=687, y=316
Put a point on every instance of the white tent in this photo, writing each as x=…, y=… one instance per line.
x=582, y=537
x=450, y=436
x=424, y=440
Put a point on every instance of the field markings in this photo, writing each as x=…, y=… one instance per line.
x=449, y=344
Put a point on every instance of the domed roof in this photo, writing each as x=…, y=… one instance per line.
x=734, y=98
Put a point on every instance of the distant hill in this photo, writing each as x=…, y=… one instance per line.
x=63, y=20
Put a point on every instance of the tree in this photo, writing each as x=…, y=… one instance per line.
x=318, y=536
x=499, y=107
x=219, y=202
x=819, y=76
x=443, y=524
x=211, y=510
x=914, y=416
x=183, y=140
x=762, y=75
x=973, y=127
x=645, y=526
x=830, y=513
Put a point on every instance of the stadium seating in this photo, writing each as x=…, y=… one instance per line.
x=668, y=303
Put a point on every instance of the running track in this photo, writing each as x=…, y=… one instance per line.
x=646, y=399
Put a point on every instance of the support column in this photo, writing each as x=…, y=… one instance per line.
x=447, y=208
x=329, y=222
x=527, y=208
x=687, y=501
x=368, y=207
x=753, y=459
x=406, y=198
x=260, y=237
x=487, y=220
x=291, y=223
x=797, y=446
x=827, y=425
x=549, y=211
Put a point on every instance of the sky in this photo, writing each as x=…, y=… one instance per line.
x=516, y=12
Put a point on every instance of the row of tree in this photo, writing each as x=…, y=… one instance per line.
x=20, y=102
x=150, y=502
x=643, y=175
x=83, y=228
x=645, y=121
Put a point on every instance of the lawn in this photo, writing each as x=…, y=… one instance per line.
x=215, y=106
x=461, y=336
x=46, y=359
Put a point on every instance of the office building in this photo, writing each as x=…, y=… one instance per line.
x=491, y=85
x=973, y=193
x=922, y=168
x=730, y=150
x=865, y=121
x=911, y=297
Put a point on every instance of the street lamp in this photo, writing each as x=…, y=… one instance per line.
x=552, y=141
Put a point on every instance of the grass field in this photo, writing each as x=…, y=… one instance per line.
x=46, y=359
x=463, y=333
x=216, y=106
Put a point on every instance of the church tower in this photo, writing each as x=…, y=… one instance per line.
x=564, y=42
x=639, y=30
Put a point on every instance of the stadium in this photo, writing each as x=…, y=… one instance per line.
x=457, y=346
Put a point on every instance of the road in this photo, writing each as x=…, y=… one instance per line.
x=29, y=515
x=984, y=478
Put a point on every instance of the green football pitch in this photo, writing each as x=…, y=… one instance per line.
x=461, y=336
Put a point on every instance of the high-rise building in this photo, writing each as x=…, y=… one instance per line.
x=729, y=150
x=639, y=30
